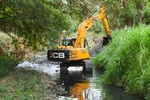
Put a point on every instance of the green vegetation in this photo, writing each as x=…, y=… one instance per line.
x=127, y=12
x=126, y=60
x=34, y=20
x=120, y=13
x=41, y=22
x=23, y=84
x=6, y=65
x=34, y=24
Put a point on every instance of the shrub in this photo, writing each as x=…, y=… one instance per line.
x=6, y=65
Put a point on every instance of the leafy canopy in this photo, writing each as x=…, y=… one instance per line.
x=37, y=21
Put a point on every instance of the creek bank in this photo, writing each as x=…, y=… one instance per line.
x=31, y=80
x=23, y=83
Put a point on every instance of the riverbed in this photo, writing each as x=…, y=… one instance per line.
x=75, y=83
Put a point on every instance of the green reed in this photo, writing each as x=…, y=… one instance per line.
x=126, y=60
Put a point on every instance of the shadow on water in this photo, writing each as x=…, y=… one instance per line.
x=87, y=86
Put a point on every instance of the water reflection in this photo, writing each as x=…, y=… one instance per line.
x=86, y=86
x=109, y=92
x=75, y=83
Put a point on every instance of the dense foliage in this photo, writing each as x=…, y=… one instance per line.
x=40, y=21
x=124, y=13
x=35, y=20
x=126, y=60
x=121, y=13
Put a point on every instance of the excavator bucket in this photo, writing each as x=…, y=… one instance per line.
x=101, y=42
x=106, y=40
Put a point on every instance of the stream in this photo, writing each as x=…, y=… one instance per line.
x=77, y=85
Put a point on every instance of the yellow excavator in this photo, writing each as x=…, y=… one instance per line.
x=73, y=51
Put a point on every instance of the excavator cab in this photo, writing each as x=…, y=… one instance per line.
x=68, y=42
x=71, y=42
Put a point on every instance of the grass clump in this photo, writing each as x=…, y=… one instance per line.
x=6, y=65
x=126, y=60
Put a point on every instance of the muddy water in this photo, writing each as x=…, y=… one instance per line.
x=77, y=84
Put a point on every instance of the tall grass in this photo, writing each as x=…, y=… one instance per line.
x=126, y=60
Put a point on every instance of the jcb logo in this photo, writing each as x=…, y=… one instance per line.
x=57, y=55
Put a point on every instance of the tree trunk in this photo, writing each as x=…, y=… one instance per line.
x=124, y=3
x=140, y=8
x=128, y=20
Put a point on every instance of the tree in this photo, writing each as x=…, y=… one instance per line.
x=43, y=20
x=34, y=20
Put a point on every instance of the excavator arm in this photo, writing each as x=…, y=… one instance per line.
x=89, y=22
